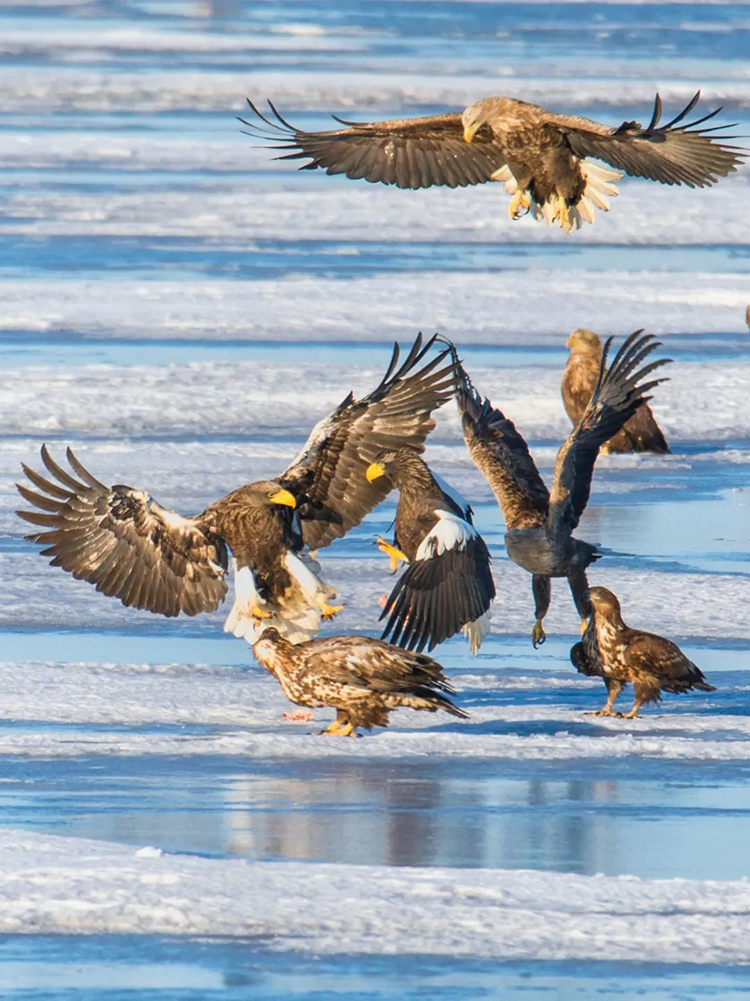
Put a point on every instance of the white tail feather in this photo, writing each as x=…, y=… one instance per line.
x=597, y=192
x=476, y=631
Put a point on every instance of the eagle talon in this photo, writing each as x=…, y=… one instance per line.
x=392, y=552
x=538, y=635
x=521, y=200
x=259, y=613
x=330, y=611
x=338, y=729
x=603, y=712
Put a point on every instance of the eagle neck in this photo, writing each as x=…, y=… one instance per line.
x=411, y=475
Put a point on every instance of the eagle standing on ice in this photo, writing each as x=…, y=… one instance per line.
x=619, y=655
x=448, y=583
x=363, y=679
x=541, y=157
x=539, y=523
x=640, y=433
x=131, y=547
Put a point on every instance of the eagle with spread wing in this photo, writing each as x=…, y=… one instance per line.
x=619, y=654
x=131, y=547
x=539, y=523
x=447, y=585
x=542, y=158
x=363, y=679
x=640, y=433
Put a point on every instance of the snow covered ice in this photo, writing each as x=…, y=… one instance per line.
x=181, y=309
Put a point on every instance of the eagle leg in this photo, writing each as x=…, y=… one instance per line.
x=342, y=726
x=538, y=635
x=613, y=690
x=541, y=588
x=392, y=553
x=521, y=200
x=258, y=613
x=330, y=611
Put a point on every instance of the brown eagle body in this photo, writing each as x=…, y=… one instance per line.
x=363, y=679
x=539, y=523
x=620, y=655
x=448, y=583
x=640, y=433
x=130, y=547
x=540, y=156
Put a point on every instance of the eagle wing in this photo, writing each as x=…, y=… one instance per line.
x=408, y=152
x=499, y=451
x=329, y=472
x=676, y=153
x=620, y=390
x=124, y=542
x=656, y=655
x=640, y=434
x=448, y=586
x=371, y=664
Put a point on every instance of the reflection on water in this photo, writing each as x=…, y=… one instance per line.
x=647, y=819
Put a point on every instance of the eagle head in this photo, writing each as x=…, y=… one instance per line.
x=584, y=341
x=604, y=602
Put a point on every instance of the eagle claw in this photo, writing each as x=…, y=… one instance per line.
x=330, y=611
x=392, y=553
x=538, y=635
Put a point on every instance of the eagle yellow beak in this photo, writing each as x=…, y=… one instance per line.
x=470, y=130
x=283, y=497
x=584, y=625
x=374, y=470
x=572, y=340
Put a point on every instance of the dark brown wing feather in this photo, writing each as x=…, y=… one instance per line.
x=585, y=655
x=640, y=434
x=410, y=153
x=330, y=470
x=676, y=153
x=436, y=597
x=499, y=451
x=619, y=392
x=655, y=655
x=123, y=542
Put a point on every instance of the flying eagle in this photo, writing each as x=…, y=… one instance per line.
x=130, y=547
x=363, y=679
x=640, y=433
x=448, y=583
x=541, y=157
x=620, y=654
x=539, y=523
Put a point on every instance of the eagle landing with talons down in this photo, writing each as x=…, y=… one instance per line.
x=539, y=523
x=543, y=159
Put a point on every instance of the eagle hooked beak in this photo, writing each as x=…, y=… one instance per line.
x=374, y=471
x=571, y=341
x=470, y=130
x=283, y=497
x=584, y=625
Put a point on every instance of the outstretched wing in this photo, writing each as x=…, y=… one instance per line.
x=119, y=539
x=641, y=434
x=410, y=152
x=448, y=586
x=676, y=153
x=619, y=392
x=329, y=472
x=499, y=451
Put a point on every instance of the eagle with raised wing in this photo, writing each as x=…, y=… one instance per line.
x=544, y=159
x=447, y=585
x=363, y=679
x=539, y=523
x=131, y=547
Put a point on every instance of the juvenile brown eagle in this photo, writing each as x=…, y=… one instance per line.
x=540, y=156
x=363, y=679
x=620, y=655
x=130, y=547
x=448, y=583
x=640, y=433
x=539, y=524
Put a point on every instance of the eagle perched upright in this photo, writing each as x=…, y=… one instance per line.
x=543, y=158
x=640, y=433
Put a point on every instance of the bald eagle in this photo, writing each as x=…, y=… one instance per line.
x=448, y=583
x=131, y=547
x=619, y=654
x=640, y=433
x=541, y=157
x=539, y=523
x=363, y=679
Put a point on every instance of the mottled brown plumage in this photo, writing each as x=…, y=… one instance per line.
x=130, y=547
x=447, y=585
x=539, y=156
x=619, y=654
x=640, y=433
x=363, y=679
x=539, y=524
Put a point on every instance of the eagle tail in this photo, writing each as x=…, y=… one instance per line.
x=598, y=189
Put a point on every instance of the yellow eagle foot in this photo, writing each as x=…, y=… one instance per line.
x=538, y=635
x=330, y=611
x=337, y=729
x=606, y=711
x=520, y=201
x=633, y=714
x=393, y=554
x=259, y=613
